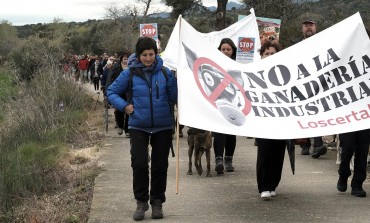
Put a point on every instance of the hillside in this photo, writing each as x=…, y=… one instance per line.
x=94, y=35
x=331, y=11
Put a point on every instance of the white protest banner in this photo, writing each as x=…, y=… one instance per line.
x=320, y=86
x=245, y=27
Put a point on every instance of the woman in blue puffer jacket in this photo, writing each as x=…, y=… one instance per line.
x=151, y=93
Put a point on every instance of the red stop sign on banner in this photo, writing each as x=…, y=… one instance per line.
x=148, y=30
x=246, y=44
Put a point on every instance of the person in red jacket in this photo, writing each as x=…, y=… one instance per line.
x=83, y=65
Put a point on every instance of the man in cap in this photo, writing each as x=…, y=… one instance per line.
x=309, y=29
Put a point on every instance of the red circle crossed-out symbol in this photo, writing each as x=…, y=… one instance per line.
x=222, y=85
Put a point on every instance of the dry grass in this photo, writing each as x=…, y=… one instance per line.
x=48, y=155
x=77, y=171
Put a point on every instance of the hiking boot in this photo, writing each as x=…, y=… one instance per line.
x=120, y=131
x=229, y=164
x=142, y=207
x=358, y=192
x=157, y=212
x=319, y=151
x=342, y=184
x=305, y=151
x=219, y=165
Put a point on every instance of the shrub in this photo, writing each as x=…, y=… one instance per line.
x=36, y=128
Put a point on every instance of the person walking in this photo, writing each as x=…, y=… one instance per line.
x=270, y=152
x=150, y=122
x=224, y=144
x=309, y=29
x=121, y=118
x=95, y=75
x=83, y=65
x=353, y=144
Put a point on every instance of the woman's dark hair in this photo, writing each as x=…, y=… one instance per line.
x=145, y=43
x=269, y=44
x=231, y=43
x=123, y=54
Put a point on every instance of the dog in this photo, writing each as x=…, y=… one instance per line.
x=199, y=141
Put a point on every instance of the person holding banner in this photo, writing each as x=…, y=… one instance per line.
x=224, y=143
x=354, y=144
x=309, y=29
x=270, y=152
x=148, y=104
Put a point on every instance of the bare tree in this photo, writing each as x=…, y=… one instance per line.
x=147, y=6
x=125, y=16
x=125, y=19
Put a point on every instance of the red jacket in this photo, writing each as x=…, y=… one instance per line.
x=83, y=64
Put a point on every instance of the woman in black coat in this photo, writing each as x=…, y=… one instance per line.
x=270, y=153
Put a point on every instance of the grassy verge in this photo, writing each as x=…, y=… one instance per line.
x=7, y=88
x=45, y=175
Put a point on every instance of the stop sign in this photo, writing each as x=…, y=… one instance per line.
x=148, y=30
x=246, y=44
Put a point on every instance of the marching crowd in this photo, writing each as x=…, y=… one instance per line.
x=99, y=71
x=143, y=93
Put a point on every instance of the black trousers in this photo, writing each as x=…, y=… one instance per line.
x=96, y=81
x=224, y=143
x=270, y=160
x=317, y=142
x=354, y=143
x=160, y=143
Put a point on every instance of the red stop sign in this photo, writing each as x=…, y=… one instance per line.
x=246, y=44
x=148, y=30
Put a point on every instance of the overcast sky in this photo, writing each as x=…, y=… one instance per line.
x=21, y=12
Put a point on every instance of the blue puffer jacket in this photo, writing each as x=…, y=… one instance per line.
x=151, y=95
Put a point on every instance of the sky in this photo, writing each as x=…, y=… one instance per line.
x=22, y=12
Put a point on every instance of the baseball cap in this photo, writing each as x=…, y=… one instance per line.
x=308, y=20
